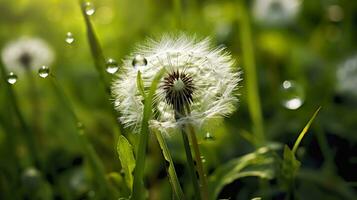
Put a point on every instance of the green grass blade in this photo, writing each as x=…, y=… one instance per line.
x=95, y=47
x=144, y=134
x=250, y=73
x=304, y=131
x=171, y=168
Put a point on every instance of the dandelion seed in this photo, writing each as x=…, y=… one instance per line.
x=276, y=12
x=27, y=53
x=199, y=83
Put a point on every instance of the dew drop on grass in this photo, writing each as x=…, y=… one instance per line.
x=11, y=78
x=89, y=8
x=139, y=61
x=112, y=66
x=44, y=71
x=292, y=95
x=69, y=38
x=209, y=136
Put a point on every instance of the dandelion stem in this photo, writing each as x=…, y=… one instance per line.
x=171, y=168
x=191, y=165
x=26, y=130
x=200, y=170
x=250, y=72
x=93, y=159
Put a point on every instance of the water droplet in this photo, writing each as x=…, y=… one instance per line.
x=89, y=8
x=112, y=66
x=69, y=38
x=11, y=78
x=203, y=159
x=292, y=95
x=139, y=61
x=209, y=136
x=44, y=71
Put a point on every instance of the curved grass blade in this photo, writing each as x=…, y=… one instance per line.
x=171, y=168
x=259, y=163
x=304, y=131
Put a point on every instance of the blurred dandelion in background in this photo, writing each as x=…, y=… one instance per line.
x=347, y=76
x=197, y=75
x=27, y=53
x=275, y=12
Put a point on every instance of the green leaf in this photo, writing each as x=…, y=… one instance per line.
x=127, y=160
x=290, y=165
x=259, y=164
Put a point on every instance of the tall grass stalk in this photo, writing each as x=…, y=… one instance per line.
x=250, y=72
x=138, y=186
x=88, y=150
x=26, y=131
x=99, y=62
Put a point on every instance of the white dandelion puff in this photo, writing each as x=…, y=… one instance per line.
x=276, y=12
x=198, y=78
x=347, y=76
x=27, y=53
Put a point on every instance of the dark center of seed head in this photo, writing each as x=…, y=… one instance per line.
x=25, y=60
x=178, y=87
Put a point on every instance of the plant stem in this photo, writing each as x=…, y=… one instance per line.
x=200, y=170
x=191, y=165
x=26, y=130
x=250, y=73
x=171, y=168
x=88, y=150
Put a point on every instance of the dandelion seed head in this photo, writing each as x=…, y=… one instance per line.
x=26, y=53
x=347, y=76
x=276, y=12
x=197, y=76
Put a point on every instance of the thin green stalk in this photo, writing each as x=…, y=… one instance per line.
x=93, y=159
x=250, y=73
x=99, y=62
x=191, y=165
x=200, y=170
x=304, y=131
x=171, y=168
x=143, y=140
x=25, y=129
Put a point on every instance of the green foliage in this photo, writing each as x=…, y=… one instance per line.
x=259, y=163
x=127, y=160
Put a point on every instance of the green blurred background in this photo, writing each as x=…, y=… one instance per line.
x=308, y=50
